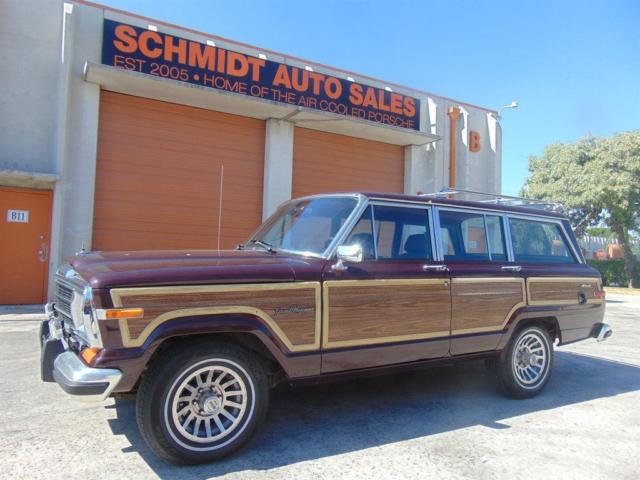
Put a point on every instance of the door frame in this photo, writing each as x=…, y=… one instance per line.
x=49, y=194
x=365, y=352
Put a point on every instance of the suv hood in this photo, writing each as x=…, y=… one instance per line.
x=188, y=267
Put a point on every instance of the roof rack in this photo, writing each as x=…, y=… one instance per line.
x=497, y=199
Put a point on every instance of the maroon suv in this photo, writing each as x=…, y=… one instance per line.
x=330, y=285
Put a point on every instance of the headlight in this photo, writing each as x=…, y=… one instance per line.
x=89, y=317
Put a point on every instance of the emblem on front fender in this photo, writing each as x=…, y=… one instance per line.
x=296, y=309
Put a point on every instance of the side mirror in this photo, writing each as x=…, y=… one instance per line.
x=350, y=253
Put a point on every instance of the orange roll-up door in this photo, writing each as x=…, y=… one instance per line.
x=158, y=175
x=327, y=162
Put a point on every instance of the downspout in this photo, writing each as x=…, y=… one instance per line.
x=454, y=113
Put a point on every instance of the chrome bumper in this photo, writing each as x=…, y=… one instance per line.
x=601, y=332
x=76, y=378
x=63, y=366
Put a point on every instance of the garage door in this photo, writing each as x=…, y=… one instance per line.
x=159, y=172
x=327, y=162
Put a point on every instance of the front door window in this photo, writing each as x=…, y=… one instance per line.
x=393, y=233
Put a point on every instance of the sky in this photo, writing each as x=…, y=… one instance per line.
x=573, y=66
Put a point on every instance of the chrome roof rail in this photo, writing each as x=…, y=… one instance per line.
x=496, y=199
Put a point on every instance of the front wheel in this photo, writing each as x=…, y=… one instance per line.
x=523, y=369
x=202, y=403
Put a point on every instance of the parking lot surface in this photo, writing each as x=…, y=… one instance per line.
x=446, y=422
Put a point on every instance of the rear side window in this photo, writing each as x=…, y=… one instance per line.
x=463, y=236
x=471, y=237
x=539, y=242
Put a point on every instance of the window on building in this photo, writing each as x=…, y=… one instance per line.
x=539, y=242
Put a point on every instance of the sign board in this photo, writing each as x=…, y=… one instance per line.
x=18, y=216
x=155, y=53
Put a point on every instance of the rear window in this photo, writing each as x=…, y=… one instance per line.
x=539, y=242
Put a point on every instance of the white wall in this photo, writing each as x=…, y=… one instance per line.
x=427, y=166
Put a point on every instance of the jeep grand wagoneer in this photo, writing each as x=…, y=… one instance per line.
x=331, y=285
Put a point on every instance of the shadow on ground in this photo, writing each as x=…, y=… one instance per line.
x=313, y=422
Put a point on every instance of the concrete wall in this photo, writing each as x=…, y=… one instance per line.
x=30, y=45
x=278, y=165
x=427, y=166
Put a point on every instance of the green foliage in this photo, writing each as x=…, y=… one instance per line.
x=600, y=232
x=612, y=271
x=597, y=180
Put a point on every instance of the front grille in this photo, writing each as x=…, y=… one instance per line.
x=64, y=297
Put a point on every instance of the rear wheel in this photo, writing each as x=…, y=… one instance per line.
x=523, y=369
x=203, y=403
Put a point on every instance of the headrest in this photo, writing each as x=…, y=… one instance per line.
x=416, y=245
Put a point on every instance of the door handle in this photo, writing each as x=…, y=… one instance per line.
x=434, y=268
x=511, y=268
x=43, y=253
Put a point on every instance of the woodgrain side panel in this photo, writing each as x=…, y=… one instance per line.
x=361, y=312
x=292, y=310
x=563, y=290
x=484, y=304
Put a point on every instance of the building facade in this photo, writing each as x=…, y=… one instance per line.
x=124, y=132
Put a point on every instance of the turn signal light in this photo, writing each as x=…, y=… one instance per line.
x=88, y=354
x=116, y=313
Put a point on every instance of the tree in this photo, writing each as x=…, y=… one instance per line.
x=598, y=182
x=600, y=232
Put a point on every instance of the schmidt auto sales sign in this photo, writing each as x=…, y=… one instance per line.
x=154, y=53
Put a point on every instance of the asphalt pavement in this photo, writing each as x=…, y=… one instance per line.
x=446, y=422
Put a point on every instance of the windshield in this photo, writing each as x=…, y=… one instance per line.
x=304, y=226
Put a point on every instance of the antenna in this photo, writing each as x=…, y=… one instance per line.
x=220, y=205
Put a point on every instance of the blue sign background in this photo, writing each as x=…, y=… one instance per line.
x=263, y=80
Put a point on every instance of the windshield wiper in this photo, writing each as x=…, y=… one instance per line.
x=267, y=246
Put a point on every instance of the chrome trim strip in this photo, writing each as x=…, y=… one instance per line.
x=506, y=226
x=483, y=208
x=434, y=252
x=438, y=235
x=375, y=233
x=486, y=235
x=604, y=333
